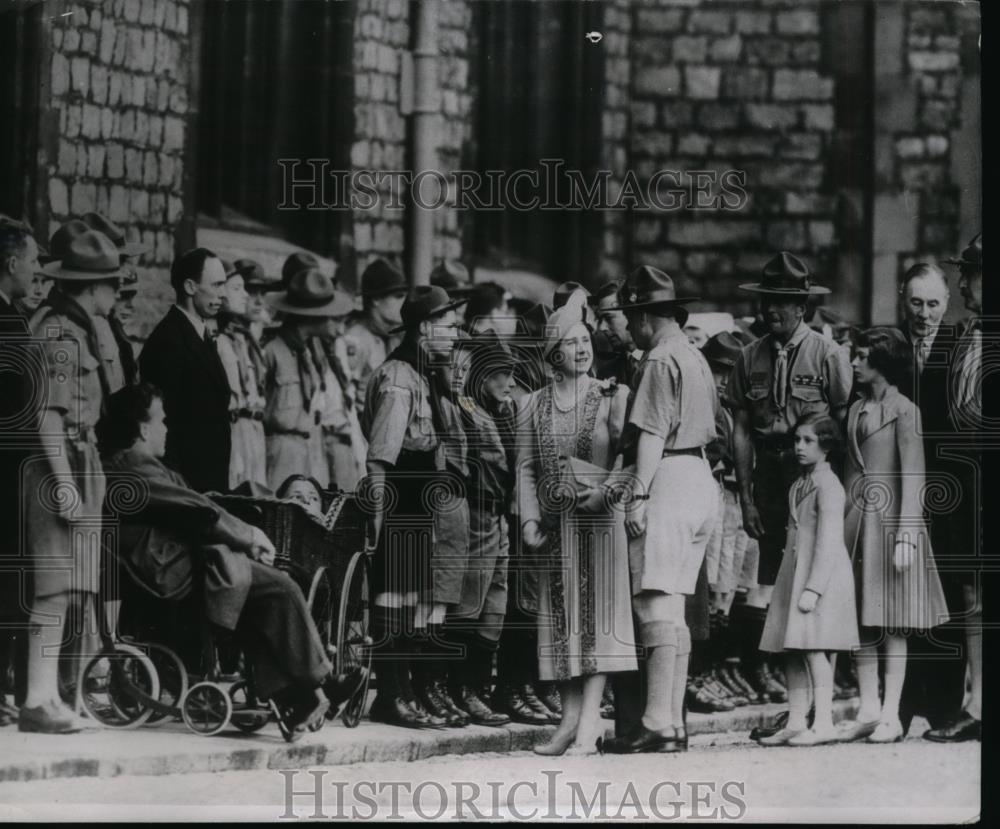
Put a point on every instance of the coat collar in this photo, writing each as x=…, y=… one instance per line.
x=879, y=415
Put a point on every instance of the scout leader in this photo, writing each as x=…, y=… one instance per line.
x=670, y=419
x=402, y=426
x=66, y=570
x=790, y=372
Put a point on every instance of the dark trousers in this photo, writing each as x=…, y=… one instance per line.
x=277, y=634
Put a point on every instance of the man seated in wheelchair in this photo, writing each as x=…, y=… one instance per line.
x=167, y=534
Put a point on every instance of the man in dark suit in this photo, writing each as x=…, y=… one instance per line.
x=180, y=359
x=18, y=265
x=935, y=671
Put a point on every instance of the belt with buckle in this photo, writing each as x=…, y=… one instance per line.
x=696, y=451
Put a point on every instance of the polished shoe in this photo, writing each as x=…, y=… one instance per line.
x=965, y=728
x=529, y=695
x=776, y=692
x=735, y=672
x=702, y=701
x=341, y=687
x=479, y=712
x=396, y=711
x=642, y=740
x=721, y=690
x=551, y=700
x=757, y=679
x=510, y=702
x=48, y=719
x=853, y=730
x=887, y=732
x=721, y=676
x=431, y=702
x=811, y=737
x=433, y=720
x=443, y=694
x=301, y=710
x=780, y=737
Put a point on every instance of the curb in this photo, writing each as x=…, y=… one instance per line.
x=171, y=749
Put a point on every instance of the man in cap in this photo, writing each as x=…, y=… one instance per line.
x=67, y=576
x=669, y=422
x=453, y=276
x=296, y=380
x=489, y=309
x=181, y=359
x=243, y=360
x=948, y=390
x=19, y=266
x=789, y=373
x=369, y=337
x=402, y=423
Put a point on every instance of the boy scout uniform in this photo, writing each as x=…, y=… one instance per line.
x=368, y=347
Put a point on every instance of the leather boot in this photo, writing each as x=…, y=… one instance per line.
x=735, y=673
x=550, y=698
x=775, y=689
x=529, y=695
x=733, y=693
x=479, y=712
x=702, y=701
x=509, y=701
x=429, y=697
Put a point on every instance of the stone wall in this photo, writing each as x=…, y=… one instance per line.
x=723, y=86
x=117, y=102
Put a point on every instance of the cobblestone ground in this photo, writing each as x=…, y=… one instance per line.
x=721, y=777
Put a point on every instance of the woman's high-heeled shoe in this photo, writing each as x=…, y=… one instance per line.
x=554, y=748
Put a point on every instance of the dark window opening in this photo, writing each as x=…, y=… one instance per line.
x=276, y=83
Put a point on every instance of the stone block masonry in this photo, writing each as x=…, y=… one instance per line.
x=119, y=75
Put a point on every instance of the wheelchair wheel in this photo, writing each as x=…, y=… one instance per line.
x=116, y=688
x=322, y=606
x=248, y=716
x=173, y=680
x=206, y=708
x=353, y=639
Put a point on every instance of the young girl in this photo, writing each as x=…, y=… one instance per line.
x=812, y=608
x=307, y=491
x=894, y=568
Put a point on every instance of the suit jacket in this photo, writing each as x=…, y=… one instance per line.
x=196, y=400
x=167, y=534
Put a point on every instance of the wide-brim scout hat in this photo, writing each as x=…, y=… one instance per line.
x=425, y=302
x=95, y=221
x=91, y=257
x=562, y=320
x=254, y=277
x=381, y=278
x=301, y=260
x=785, y=275
x=971, y=256
x=60, y=241
x=722, y=349
x=311, y=293
x=453, y=277
x=647, y=286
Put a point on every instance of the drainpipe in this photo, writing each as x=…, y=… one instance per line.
x=420, y=78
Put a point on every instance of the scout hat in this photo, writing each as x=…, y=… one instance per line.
x=299, y=261
x=311, y=293
x=647, y=286
x=785, y=275
x=453, y=276
x=567, y=289
x=234, y=269
x=722, y=349
x=91, y=257
x=254, y=277
x=381, y=278
x=60, y=241
x=95, y=221
x=424, y=302
x=972, y=256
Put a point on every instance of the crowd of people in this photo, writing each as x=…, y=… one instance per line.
x=560, y=493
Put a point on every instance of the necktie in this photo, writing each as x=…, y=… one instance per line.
x=209, y=339
x=922, y=348
x=781, y=376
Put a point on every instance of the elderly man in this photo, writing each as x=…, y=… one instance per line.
x=179, y=535
x=791, y=372
x=402, y=423
x=181, y=359
x=935, y=672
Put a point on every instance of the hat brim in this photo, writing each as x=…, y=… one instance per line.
x=758, y=288
x=57, y=271
x=266, y=285
x=962, y=262
x=400, y=289
x=437, y=312
x=339, y=306
x=683, y=300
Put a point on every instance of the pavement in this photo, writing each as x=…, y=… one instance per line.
x=169, y=748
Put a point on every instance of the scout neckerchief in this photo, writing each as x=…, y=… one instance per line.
x=309, y=375
x=329, y=348
x=781, y=362
x=59, y=303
